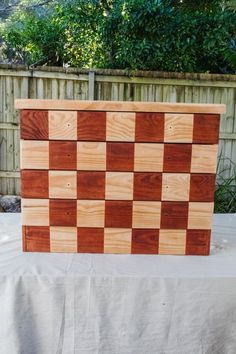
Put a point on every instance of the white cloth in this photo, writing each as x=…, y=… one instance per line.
x=117, y=304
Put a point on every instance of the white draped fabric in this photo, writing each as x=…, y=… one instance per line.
x=117, y=304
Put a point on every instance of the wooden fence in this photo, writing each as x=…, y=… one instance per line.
x=61, y=83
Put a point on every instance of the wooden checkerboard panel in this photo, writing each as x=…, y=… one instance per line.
x=118, y=177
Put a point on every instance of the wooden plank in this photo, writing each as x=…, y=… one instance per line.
x=91, y=79
x=146, y=214
x=62, y=125
x=63, y=239
x=117, y=240
x=34, y=154
x=204, y=158
x=200, y=215
x=9, y=126
x=120, y=126
x=178, y=128
x=120, y=106
x=90, y=213
x=63, y=184
x=172, y=242
x=9, y=174
x=119, y=186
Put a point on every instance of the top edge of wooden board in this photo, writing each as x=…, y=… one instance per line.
x=119, y=106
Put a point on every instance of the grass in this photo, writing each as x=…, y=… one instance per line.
x=225, y=194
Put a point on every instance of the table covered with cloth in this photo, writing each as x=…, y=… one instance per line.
x=117, y=304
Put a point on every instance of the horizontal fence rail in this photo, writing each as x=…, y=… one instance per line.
x=116, y=85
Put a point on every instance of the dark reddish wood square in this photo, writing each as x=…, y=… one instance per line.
x=202, y=187
x=90, y=240
x=118, y=214
x=62, y=212
x=34, y=124
x=147, y=186
x=149, y=127
x=120, y=157
x=91, y=126
x=177, y=157
x=206, y=128
x=34, y=184
x=198, y=242
x=36, y=239
x=145, y=241
x=62, y=155
x=91, y=185
x=174, y=215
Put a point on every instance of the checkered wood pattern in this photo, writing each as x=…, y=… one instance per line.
x=118, y=182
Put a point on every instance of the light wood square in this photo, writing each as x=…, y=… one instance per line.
x=34, y=154
x=62, y=125
x=63, y=239
x=62, y=184
x=172, y=242
x=146, y=214
x=35, y=212
x=91, y=156
x=204, y=158
x=117, y=240
x=178, y=128
x=148, y=157
x=200, y=215
x=175, y=186
x=120, y=126
x=90, y=213
x=119, y=185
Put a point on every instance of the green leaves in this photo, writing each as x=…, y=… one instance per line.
x=136, y=34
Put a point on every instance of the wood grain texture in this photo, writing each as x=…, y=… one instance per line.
x=178, y=128
x=120, y=126
x=198, y=242
x=63, y=239
x=206, y=128
x=172, y=242
x=202, y=187
x=200, y=215
x=62, y=184
x=119, y=106
x=174, y=215
x=204, y=158
x=34, y=154
x=147, y=185
x=35, y=212
x=118, y=214
x=90, y=213
x=62, y=155
x=145, y=241
x=148, y=157
x=62, y=212
x=36, y=239
x=120, y=157
x=90, y=185
x=34, y=124
x=177, y=157
x=146, y=214
x=149, y=127
x=34, y=184
x=119, y=186
x=117, y=240
x=91, y=156
x=62, y=125
x=175, y=186
x=90, y=240
x=91, y=126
